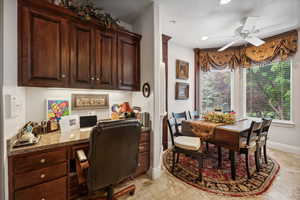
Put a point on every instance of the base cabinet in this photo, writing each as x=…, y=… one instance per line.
x=51, y=174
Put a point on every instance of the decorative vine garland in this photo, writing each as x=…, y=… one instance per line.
x=86, y=10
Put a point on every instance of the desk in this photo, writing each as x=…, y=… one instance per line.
x=227, y=136
x=46, y=171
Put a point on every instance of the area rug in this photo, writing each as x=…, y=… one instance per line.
x=219, y=181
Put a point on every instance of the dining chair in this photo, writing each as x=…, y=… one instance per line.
x=263, y=137
x=249, y=144
x=194, y=115
x=178, y=117
x=189, y=146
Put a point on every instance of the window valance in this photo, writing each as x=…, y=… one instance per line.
x=277, y=47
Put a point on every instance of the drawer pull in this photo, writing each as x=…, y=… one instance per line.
x=43, y=176
x=43, y=160
x=43, y=199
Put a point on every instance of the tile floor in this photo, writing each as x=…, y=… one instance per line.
x=286, y=185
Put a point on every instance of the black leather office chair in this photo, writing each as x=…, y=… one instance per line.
x=113, y=156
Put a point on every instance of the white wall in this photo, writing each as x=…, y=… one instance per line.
x=1, y=106
x=288, y=138
x=10, y=31
x=36, y=101
x=186, y=54
x=148, y=25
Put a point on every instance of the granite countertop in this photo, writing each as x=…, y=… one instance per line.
x=54, y=139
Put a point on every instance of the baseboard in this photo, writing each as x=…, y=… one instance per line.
x=284, y=147
x=154, y=173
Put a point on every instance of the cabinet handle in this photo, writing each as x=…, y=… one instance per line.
x=63, y=76
x=92, y=78
x=98, y=79
x=43, y=176
x=43, y=199
x=43, y=160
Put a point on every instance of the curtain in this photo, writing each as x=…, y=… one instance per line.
x=277, y=47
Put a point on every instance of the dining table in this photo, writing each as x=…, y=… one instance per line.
x=224, y=136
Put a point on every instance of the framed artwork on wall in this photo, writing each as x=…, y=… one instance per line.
x=182, y=91
x=182, y=70
x=89, y=101
x=57, y=108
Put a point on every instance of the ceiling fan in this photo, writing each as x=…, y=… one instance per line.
x=247, y=33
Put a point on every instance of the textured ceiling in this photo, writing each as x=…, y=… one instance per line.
x=198, y=18
x=125, y=10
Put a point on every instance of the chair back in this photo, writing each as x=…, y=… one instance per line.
x=194, y=115
x=113, y=153
x=172, y=128
x=266, y=125
x=254, y=130
x=179, y=117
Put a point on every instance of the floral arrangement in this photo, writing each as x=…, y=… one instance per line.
x=219, y=117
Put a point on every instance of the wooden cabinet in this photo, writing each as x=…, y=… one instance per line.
x=128, y=62
x=43, y=52
x=58, y=49
x=51, y=173
x=106, y=60
x=82, y=56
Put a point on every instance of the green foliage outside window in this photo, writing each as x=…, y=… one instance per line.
x=269, y=91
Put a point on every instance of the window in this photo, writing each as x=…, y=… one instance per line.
x=268, y=91
x=215, y=89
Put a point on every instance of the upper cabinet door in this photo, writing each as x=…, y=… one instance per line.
x=44, y=49
x=82, y=57
x=106, y=57
x=128, y=62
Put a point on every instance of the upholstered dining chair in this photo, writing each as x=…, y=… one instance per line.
x=190, y=146
x=249, y=144
x=178, y=117
x=194, y=115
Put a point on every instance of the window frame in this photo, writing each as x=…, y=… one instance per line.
x=238, y=95
x=232, y=83
x=275, y=121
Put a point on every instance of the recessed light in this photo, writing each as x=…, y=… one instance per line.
x=204, y=38
x=172, y=21
x=223, y=2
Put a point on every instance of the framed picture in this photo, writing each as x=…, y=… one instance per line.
x=57, y=108
x=182, y=70
x=89, y=101
x=182, y=91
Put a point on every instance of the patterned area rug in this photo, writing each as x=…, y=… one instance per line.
x=219, y=181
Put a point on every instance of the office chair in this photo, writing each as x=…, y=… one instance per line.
x=113, y=157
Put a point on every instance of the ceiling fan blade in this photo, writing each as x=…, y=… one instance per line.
x=250, y=23
x=254, y=40
x=227, y=45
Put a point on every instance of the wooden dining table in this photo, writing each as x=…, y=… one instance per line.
x=225, y=136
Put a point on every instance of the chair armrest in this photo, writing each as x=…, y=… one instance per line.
x=82, y=164
x=81, y=156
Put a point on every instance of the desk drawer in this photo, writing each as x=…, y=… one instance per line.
x=39, y=160
x=40, y=176
x=54, y=190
